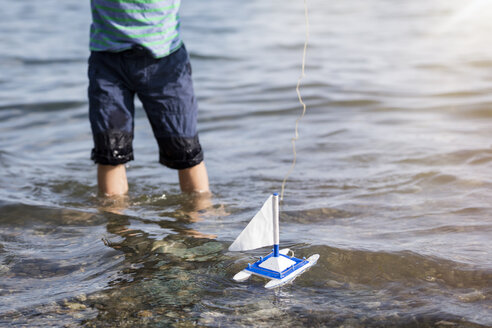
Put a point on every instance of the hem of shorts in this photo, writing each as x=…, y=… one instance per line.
x=181, y=165
x=106, y=160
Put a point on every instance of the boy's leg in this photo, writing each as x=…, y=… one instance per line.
x=194, y=179
x=169, y=100
x=111, y=179
x=111, y=112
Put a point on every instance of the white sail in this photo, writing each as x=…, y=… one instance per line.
x=259, y=232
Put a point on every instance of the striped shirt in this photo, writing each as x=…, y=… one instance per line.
x=118, y=25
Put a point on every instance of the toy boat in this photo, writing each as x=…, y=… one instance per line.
x=263, y=230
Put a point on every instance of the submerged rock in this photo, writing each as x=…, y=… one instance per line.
x=209, y=248
x=4, y=269
x=75, y=306
x=171, y=247
x=145, y=313
x=180, y=249
x=81, y=297
x=445, y=323
x=472, y=297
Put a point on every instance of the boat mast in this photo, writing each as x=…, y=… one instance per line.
x=276, y=234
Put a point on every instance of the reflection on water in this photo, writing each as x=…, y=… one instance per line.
x=391, y=187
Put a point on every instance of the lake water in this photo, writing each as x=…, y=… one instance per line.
x=392, y=186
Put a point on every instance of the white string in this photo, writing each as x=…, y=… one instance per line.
x=300, y=101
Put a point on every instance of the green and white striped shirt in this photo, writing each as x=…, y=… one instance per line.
x=118, y=25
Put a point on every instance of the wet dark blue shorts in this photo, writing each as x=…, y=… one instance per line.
x=165, y=89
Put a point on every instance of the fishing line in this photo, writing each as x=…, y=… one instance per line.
x=296, y=137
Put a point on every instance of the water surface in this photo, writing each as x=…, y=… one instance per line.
x=392, y=185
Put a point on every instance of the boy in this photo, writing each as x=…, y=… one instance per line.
x=136, y=49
